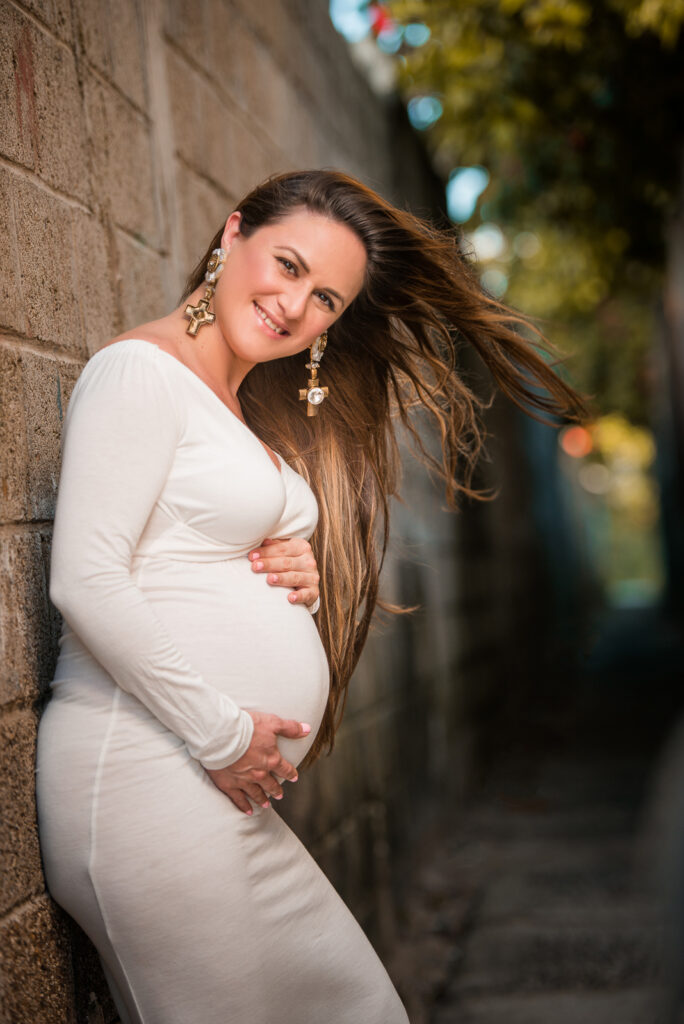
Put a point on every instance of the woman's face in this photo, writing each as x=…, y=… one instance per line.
x=286, y=283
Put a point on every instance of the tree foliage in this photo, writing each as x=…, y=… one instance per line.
x=576, y=109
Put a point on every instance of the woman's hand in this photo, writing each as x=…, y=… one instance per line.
x=254, y=774
x=290, y=563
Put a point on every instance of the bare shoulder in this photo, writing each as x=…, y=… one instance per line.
x=155, y=332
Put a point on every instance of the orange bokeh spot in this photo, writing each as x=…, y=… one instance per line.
x=576, y=442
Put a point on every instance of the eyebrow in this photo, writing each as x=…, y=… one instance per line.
x=305, y=267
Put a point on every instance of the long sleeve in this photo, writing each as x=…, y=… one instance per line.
x=122, y=429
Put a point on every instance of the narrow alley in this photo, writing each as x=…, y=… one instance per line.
x=537, y=904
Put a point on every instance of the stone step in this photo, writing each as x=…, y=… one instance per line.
x=634, y=1006
x=525, y=957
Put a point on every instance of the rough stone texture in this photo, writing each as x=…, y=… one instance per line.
x=38, y=985
x=21, y=876
x=123, y=165
x=42, y=412
x=14, y=495
x=50, y=299
x=18, y=121
x=141, y=286
x=12, y=314
x=100, y=317
x=27, y=640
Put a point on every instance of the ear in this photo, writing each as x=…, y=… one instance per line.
x=231, y=230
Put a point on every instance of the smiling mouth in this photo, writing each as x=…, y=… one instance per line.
x=268, y=321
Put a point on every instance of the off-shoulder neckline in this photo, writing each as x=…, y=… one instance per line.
x=206, y=387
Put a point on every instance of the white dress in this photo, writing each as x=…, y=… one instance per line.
x=200, y=913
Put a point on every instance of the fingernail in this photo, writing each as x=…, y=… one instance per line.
x=258, y=565
x=267, y=804
x=248, y=812
x=295, y=778
x=272, y=578
x=253, y=555
x=306, y=727
x=279, y=797
x=292, y=598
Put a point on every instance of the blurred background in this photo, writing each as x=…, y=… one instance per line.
x=504, y=808
x=557, y=129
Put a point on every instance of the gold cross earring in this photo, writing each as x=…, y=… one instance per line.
x=314, y=394
x=199, y=315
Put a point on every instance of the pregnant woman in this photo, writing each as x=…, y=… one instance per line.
x=201, y=451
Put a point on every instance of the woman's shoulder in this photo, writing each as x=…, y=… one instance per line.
x=129, y=370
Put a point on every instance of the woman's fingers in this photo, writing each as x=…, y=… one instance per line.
x=239, y=799
x=305, y=595
x=289, y=563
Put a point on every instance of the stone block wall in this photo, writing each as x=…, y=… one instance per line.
x=127, y=130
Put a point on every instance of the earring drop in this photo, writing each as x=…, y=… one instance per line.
x=199, y=315
x=314, y=394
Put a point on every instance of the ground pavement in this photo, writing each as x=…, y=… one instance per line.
x=534, y=904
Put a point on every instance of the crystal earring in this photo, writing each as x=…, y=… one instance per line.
x=314, y=394
x=199, y=315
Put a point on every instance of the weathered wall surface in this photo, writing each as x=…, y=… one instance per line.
x=127, y=130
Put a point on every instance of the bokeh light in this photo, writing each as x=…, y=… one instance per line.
x=576, y=442
x=464, y=188
x=423, y=111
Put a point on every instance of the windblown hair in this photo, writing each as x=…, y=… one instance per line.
x=393, y=350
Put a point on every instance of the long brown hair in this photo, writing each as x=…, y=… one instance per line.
x=393, y=350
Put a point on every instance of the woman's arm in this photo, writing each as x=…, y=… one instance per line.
x=122, y=428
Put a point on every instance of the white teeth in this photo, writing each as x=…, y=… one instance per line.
x=267, y=320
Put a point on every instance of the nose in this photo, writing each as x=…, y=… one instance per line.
x=293, y=299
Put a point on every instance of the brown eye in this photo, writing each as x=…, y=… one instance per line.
x=288, y=264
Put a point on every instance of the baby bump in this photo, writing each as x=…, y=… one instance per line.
x=241, y=634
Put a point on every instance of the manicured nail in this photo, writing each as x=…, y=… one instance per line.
x=253, y=555
x=278, y=797
x=267, y=804
x=292, y=598
x=248, y=812
x=295, y=778
x=258, y=565
x=272, y=578
x=306, y=728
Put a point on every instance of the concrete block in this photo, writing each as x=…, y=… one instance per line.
x=42, y=411
x=189, y=124
x=253, y=159
x=54, y=13
x=18, y=115
x=125, y=23
x=22, y=875
x=96, y=281
x=203, y=209
x=219, y=153
x=38, y=981
x=62, y=157
x=188, y=25
x=11, y=306
x=28, y=635
x=68, y=375
x=122, y=160
x=228, y=49
x=14, y=488
x=62, y=20
x=141, y=283
x=91, y=25
x=47, y=273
